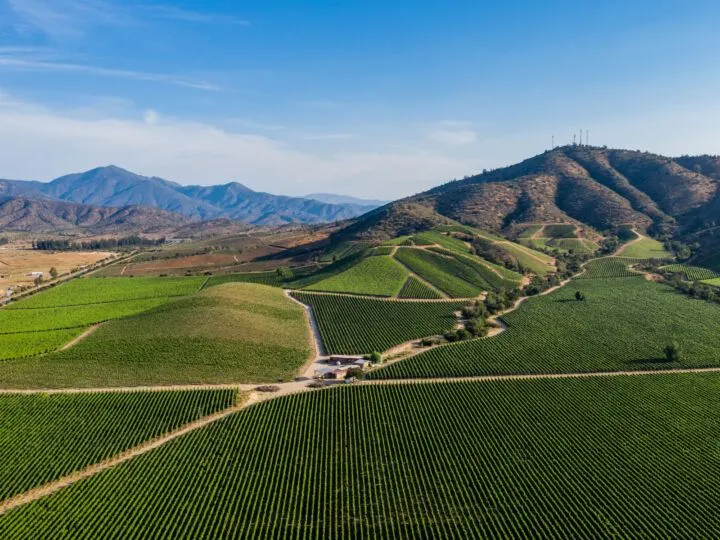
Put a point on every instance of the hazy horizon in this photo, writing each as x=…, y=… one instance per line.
x=362, y=99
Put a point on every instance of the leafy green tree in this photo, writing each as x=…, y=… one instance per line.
x=53, y=272
x=579, y=296
x=673, y=353
x=376, y=358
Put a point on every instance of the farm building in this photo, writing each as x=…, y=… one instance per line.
x=332, y=374
x=343, y=360
x=34, y=274
x=362, y=363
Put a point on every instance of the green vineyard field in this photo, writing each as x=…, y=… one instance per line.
x=623, y=324
x=351, y=325
x=100, y=290
x=445, y=273
x=414, y=288
x=237, y=332
x=373, y=276
x=691, y=273
x=44, y=437
x=609, y=267
x=614, y=457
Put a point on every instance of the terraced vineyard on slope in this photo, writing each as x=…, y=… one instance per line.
x=572, y=458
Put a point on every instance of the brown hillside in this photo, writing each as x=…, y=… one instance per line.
x=598, y=187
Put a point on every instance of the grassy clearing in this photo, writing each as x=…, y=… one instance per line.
x=715, y=282
x=374, y=276
x=623, y=324
x=98, y=290
x=237, y=332
x=646, y=248
x=445, y=273
x=351, y=325
x=414, y=288
x=45, y=437
x=616, y=457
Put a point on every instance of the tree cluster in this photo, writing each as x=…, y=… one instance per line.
x=95, y=245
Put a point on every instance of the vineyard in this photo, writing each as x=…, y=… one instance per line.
x=414, y=288
x=352, y=325
x=559, y=230
x=36, y=320
x=531, y=260
x=623, y=324
x=23, y=344
x=645, y=248
x=373, y=276
x=237, y=332
x=614, y=457
x=44, y=437
x=447, y=274
x=609, y=267
x=101, y=290
x=262, y=278
x=691, y=273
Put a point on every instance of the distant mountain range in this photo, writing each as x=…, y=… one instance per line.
x=116, y=188
x=47, y=215
x=598, y=187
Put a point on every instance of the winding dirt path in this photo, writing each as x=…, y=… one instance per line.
x=638, y=238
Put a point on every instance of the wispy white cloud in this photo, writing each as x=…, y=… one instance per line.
x=8, y=62
x=63, y=19
x=68, y=18
x=42, y=143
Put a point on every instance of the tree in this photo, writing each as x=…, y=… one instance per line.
x=38, y=280
x=673, y=352
x=53, y=272
x=376, y=358
x=579, y=296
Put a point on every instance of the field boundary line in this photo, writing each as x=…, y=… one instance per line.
x=143, y=448
x=78, y=339
x=528, y=376
x=317, y=343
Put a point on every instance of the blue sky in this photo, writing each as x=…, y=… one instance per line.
x=369, y=98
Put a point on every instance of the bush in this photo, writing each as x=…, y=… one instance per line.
x=579, y=296
x=376, y=358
